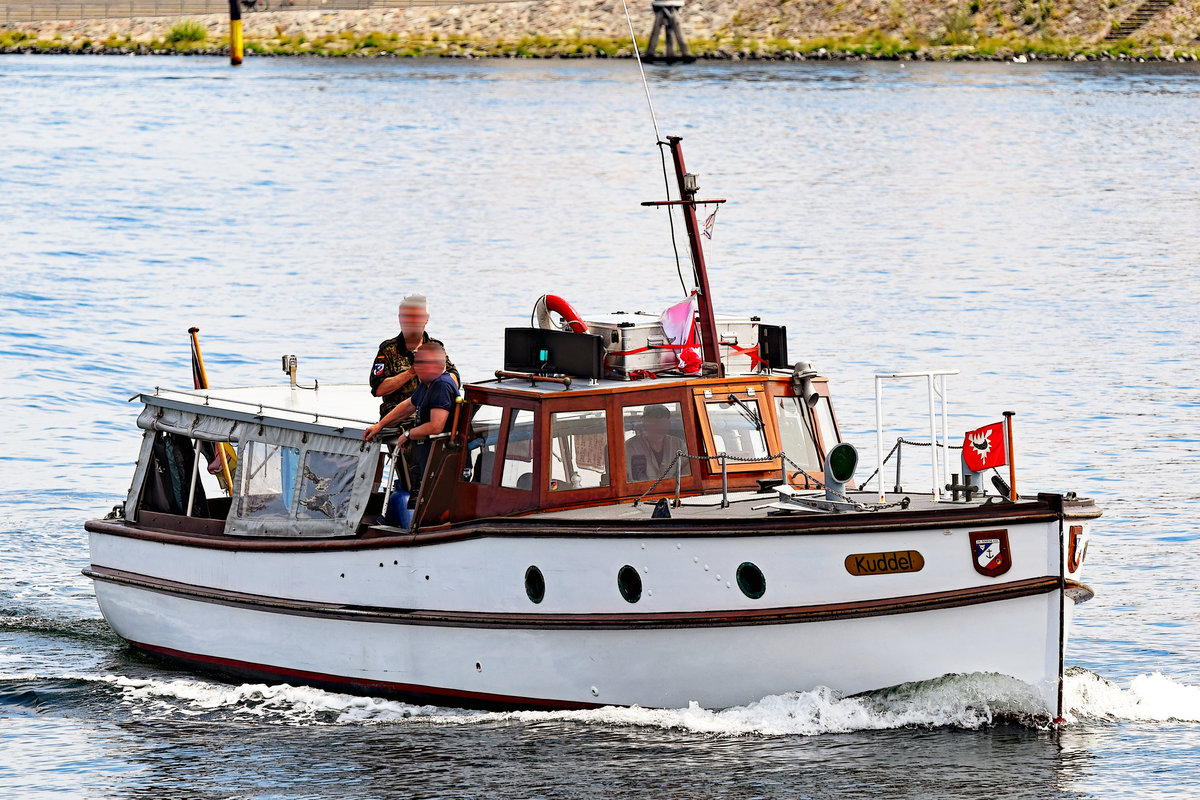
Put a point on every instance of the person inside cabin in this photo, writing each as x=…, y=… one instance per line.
x=429, y=408
x=393, y=376
x=650, y=451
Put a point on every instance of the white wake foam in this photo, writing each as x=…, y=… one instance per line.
x=960, y=701
x=280, y=702
x=965, y=701
x=1149, y=698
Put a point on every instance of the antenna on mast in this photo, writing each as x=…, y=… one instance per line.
x=687, y=203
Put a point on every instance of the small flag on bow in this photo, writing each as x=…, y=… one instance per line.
x=984, y=448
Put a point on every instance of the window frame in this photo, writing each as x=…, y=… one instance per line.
x=669, y=480
x=499, y=446
x=762, y=402
x=510, y=416
x=604, y=407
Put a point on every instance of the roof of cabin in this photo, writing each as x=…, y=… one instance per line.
x=606, y=385
x=331, y=404
x=355, y=403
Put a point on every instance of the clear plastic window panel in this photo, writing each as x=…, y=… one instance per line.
x=653, y=435
x=518, y=452
x=325, y=485
x=268, y=480
x=795, y=432
x=482, y=442
x=736, y=429
x=829, y=434
x=578, y=450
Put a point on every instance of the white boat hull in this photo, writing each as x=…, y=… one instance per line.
x=715, y=667
x=452, y=623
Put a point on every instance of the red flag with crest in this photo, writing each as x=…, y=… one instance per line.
x=984, y=448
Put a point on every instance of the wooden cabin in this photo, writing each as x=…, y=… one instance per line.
x=525, y=444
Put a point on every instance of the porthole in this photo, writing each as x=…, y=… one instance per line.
x=535, y=584
x=751, y=581
x=630, y=584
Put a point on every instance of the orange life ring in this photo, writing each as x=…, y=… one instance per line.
x=552, y=303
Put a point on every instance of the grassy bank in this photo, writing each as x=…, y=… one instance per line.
x=189, y=38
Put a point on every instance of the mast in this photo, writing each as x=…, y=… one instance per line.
x=687, y=194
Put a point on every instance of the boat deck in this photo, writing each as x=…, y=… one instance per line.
x=760, y=505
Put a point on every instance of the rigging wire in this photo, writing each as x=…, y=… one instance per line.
x=659, y=141
x=671, y=220
x=637, y=54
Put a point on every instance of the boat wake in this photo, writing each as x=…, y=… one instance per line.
x=956, y=701
x=13, y=621
x=1149, y=698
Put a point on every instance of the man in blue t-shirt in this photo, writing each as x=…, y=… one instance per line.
x=432, y=401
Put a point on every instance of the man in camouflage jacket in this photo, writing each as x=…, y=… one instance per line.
x=392, y=375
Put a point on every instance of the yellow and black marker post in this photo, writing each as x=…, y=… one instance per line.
x=235, y=32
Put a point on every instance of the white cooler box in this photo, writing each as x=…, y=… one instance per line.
x=637, y=342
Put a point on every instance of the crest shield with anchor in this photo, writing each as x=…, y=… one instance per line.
x=989, y=552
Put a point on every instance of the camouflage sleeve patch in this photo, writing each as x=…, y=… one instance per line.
x=378, y=370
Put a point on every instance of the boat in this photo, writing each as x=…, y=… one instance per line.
x=552, y=561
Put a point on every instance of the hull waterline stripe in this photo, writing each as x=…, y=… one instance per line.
x=649, y=621
x=368, y=686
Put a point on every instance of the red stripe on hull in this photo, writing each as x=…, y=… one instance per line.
x=408, y=692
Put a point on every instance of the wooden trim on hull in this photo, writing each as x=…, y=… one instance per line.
x=412, y=693
x=536, y=527
x=955, y=598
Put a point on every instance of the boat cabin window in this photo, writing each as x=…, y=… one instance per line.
x=268, y=480
x=518, y=451
x=653, y=436
x=735, y=422
x=796, y=434
x=578, y=450
x=325, y=485
x=829, y=431
x=482, y=441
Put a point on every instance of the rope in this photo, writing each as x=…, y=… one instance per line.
x=661, y=476
x=896, y=447
x=928, y=444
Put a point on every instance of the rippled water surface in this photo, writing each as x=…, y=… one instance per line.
x=1033, y=226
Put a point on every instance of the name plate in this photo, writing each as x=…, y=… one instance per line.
x=884, y=563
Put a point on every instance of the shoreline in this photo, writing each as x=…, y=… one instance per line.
x=716, y=30
x=571, y=51
x=931, y=55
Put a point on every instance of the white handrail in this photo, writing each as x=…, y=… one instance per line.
x=936, y=382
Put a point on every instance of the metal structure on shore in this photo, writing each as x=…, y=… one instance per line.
x=666, y=24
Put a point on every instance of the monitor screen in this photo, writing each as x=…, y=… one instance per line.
x=548, y=352
x=772, y=346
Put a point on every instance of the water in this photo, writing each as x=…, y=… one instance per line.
x=1032, y=226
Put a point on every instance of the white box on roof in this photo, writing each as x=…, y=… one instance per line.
x=636, y=341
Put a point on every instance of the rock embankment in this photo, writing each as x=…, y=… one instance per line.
x=731, y=29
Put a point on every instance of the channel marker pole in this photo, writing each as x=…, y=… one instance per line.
x=235, y=32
